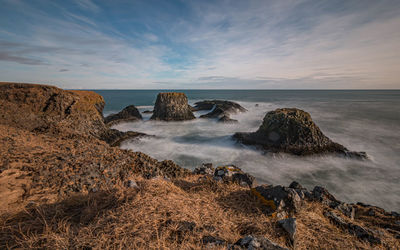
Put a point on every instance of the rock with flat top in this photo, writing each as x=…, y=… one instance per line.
x=172, y=107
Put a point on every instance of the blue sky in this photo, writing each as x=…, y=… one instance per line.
x=282, y=44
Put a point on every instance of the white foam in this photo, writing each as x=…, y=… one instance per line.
x=191, y=143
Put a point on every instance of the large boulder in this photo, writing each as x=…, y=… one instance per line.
x=293, y=131
x=128, y=114
x=172, y=107
x=219, y=109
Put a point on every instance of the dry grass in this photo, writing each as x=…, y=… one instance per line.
x=166, y=215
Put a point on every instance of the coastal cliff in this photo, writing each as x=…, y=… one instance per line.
x=63, y=186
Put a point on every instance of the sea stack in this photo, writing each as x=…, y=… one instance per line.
x=293, y=131
x=172, y=106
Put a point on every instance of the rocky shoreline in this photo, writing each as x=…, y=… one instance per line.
x=57, y=146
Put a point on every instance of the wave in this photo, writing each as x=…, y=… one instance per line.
x=191, y=143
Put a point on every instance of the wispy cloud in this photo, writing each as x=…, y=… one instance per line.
x=202, y=44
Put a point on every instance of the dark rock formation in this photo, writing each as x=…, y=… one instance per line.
x=292, y=130
x=128, y=114
x=172, y=107
x=290, y=227
x=205, y=169
x=227, y=119
x=115, y=137
x=219, y=109
x=359, y=231
x=251, y=242
x=234, y=174
x=282, y=200
x=147, y=112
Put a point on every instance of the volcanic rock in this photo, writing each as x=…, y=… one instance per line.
x=128, y=114
x=227, y=119
x=359, y=231
x=282, y=200
x=251, y=242
x=115, y=137
x=292, y=130
x=290, y=227
x=219, y=109
x=47, y=109
x=205, y=169
x=172, y=107
x=231, y=173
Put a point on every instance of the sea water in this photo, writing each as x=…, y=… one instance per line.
x=361, y=120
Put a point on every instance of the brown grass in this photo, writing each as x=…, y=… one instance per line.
x=166, y=215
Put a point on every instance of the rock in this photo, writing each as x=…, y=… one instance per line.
x=115, y=137
x=147, y=112
x=128, y=114
x=292, y=130
x=251, y=242
x=218, y=108
x=172, y=107
x=347, y=210
x=205, y=169
x=322, y=195
x=226, y=171
x=244, y=179
x=231, y=173
x=132, y=184
x=290, y=227
x=301, y=191
x=227, y=119
x=357, y=230
x=211, y=241
x=395, y=214
x=47, y=109
x=282, y=200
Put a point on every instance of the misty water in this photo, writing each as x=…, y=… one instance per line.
x=360, y=120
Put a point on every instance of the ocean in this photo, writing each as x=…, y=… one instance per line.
x=361, y=120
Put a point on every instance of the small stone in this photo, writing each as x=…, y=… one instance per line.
x=132, y=184
x=290, y=227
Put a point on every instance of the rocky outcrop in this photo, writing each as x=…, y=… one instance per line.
x=219, y=109
x=228, y=173
x=293, y=131
x=47, y=109
x=115, y=137
x=128, y=114
x=61, y=137
x=172, y=107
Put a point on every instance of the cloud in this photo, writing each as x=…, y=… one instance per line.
x=19, y=59
x=221, y=44
x=63, y=70
x=88, y=5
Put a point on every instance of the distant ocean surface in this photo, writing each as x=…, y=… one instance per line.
x=361, y=120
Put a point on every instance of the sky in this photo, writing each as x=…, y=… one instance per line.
x=183, y=44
